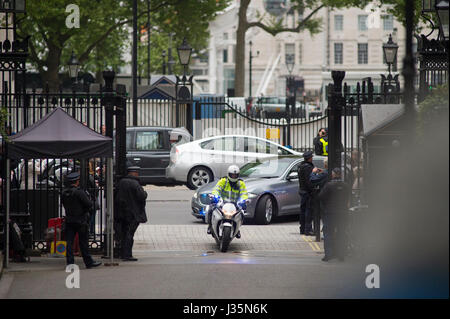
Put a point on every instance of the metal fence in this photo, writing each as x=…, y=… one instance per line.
x=37, y=183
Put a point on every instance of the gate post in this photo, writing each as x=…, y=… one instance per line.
x=334, y=121
x=121, y=132
x=108, y=101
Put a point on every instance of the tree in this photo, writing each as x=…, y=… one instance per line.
x=104, y=30
x=310, y=23
x=275, y=26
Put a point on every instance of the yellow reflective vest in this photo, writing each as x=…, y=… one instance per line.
x=223, y=189
x=325, y=146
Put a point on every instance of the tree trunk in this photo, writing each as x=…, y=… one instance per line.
x=239, y=71
x=51, y=76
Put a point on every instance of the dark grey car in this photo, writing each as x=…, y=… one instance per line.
x=149, y=148
x=272, y=185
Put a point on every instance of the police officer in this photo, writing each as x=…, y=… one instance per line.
x=130, y=200
x=306, y=189
x=334, y=197
x=321, y=142
x=230, y=188
x=77, y=205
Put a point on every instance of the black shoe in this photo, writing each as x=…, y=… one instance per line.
x=238, y=235
x=208, y=231
x=94, y=264
x=130, y=259
x=309, y=233
x=326, y=258
x=302, y=232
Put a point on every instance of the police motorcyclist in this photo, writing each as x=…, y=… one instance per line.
x=230, y=188
x=77, y=205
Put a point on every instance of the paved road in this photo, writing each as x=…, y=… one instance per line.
x=188, y=275
x=177, y=259
x=172, y=206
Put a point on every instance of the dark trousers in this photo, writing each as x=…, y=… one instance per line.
x=83, y=238
x=334, y=235
x=306, y=215
x=127, y=230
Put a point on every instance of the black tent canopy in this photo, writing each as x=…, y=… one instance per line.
x=59, y=135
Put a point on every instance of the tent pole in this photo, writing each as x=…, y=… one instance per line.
x=109, y=204
x=8, y=196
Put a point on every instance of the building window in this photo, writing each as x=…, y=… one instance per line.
x=289, y=49
x=338, y=54
x=338, y=22
x=362, y=53
x=362, y=22
x=225, y=56
x=228, y=79
x=388, y=22
x=300, y=53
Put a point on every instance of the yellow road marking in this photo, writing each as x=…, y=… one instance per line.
x=314, y=246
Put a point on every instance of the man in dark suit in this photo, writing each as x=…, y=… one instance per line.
x=130, y=201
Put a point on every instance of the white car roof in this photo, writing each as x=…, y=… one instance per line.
x=259, y=138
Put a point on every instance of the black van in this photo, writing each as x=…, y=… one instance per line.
x=149, y=148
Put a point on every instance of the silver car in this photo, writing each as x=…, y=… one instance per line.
x=200, y=162
x=272, y=186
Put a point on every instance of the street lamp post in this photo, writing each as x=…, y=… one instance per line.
x=183, y=93
x=390, y=53
x=291, y=95
x=164, y=62
x=250, y=59
x=74, y=67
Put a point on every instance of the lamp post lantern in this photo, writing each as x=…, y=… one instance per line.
x=74, y=66
x=183, y=93
x=390, y=54
x=442, y=8
x=184, y=54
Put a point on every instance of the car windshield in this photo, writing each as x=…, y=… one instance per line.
x=266, y=168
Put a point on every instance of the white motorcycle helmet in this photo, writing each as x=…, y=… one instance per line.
x=233, y=173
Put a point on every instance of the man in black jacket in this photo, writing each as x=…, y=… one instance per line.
x=335, y=198
x=130, y=200
x=77, y=205
x=306, y=189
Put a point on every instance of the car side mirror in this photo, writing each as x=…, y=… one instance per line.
x=292, y=175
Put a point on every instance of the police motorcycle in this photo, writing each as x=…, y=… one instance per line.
x=226, y=219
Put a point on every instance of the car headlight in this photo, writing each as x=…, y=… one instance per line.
x=252, y=195
x=195, y=195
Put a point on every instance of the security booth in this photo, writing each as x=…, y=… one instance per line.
x=58, y=136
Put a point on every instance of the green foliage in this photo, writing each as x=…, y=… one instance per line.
x=433, y=108
x=3, y=119
x=104, y=35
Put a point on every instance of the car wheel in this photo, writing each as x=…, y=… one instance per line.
x=265, y=210
x=199, y=176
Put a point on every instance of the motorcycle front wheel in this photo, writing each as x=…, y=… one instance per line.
x=226, y=239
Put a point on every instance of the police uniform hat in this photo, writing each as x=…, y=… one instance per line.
x=307, y=154
x=133, y=169
x=72, y=177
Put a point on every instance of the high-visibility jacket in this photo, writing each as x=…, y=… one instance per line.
x=223, y=189
x=324, y=146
